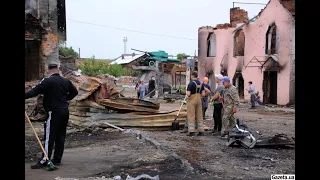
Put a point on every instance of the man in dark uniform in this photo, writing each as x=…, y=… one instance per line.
x=57, y=91
x=194, y=108
x=152, y=86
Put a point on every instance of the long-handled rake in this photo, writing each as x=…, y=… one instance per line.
x=50, y=165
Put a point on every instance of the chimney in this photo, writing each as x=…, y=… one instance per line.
x=238, y=16
x=122, y=56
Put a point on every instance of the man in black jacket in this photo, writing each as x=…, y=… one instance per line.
x=152, y=86
x=57, y=91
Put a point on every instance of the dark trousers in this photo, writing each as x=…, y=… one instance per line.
x=55, y=134
x=151, y=94
x=138, y=94
x=204, y=109
x=217, y=116
x=253, y=100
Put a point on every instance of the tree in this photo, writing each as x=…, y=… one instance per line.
x=93, y=67
x=67, y=52
x=181, y=56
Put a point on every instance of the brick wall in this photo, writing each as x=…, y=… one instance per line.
x=290, y=5
x=237, y=16
x=239, y=43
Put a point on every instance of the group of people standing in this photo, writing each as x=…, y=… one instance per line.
x=143, y=88
x=226, y=101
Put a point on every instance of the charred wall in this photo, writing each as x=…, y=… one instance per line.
x=32, y=60
x=45, y=21
x=238, y=16
x=290, y=6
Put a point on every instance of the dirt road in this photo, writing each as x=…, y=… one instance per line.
x=108, y=153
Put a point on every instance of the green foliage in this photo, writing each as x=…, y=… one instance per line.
x=181, y=56
x=182, y=89
x=93, y=67
x=115, y=70
x=68, y=52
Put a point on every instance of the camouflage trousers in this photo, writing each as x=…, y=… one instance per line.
x=228, y=120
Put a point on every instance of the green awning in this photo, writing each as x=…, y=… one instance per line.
x=160, y=56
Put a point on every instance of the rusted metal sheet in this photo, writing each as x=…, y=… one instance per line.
x=121, y=120
x=87, y=88
x=86, y=103
x=99, y=87
x=123, y=106
x=137, y=102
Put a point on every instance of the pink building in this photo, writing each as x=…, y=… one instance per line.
x=261, y=50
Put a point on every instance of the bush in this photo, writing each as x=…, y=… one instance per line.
x=68, y=52
x=92, y=67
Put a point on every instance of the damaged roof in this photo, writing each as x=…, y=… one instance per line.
x=126, y=59
x=285, y=4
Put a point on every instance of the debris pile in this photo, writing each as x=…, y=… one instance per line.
x=31, y=104
x=98, y=103
x=126, y=79
x=240, y=135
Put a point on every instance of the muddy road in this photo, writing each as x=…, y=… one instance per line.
x=108, y=152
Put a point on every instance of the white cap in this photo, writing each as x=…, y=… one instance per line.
x=219, y=76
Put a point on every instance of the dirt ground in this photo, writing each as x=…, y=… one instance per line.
x=108, y=152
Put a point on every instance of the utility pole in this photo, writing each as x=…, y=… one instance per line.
x=79, y=53
x=125, y=40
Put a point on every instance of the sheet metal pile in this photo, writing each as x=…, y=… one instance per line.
x=99, y=102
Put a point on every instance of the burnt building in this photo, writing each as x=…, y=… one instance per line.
x=45, y=25
x=260, y=49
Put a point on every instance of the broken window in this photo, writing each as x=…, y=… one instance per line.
x=62, y=19
x=239, y=43
x=272, y=40
x=212, y=44
x=32, y=60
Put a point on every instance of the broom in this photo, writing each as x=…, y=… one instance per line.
x=50, y=165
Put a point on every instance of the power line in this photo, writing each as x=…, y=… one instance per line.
x=122, y=29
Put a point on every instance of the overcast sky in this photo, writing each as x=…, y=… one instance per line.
x=98, y=27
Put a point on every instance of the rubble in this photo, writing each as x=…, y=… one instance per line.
x=242, y=136
x=126, y=79
x=98, y=103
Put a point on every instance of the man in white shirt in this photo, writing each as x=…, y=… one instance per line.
x=252, y=92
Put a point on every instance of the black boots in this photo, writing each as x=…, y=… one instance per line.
x=193, y=134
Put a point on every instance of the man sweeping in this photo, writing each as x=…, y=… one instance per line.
x=194, y=108
x=57, y=91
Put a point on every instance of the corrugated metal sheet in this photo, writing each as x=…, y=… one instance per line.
x=126, y=59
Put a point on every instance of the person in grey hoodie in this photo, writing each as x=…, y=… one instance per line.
x=142, y=89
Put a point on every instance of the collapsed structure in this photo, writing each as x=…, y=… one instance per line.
x=99, y=103
x=261, y=50
x=45, y=25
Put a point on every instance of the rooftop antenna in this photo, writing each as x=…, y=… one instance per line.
x=125, y=40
